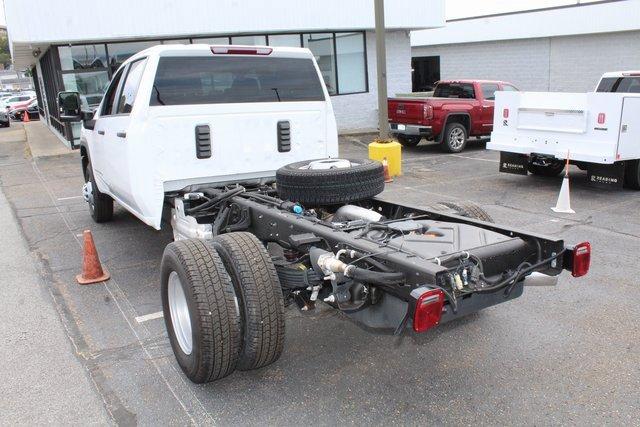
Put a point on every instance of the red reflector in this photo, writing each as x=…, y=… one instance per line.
x=428, y=310
x=222, y=50
x=581, y=259
x=601, y=118
x=505, y=113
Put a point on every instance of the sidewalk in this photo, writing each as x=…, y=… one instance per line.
x=41, y=140
x=43, y=381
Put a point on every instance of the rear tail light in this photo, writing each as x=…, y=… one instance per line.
x=505, y=113
x=427, y=112
x=581, y=259
x=601, y=118
x=428, y=310
x=226, y=50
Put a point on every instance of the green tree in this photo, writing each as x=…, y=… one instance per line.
x=5, y=54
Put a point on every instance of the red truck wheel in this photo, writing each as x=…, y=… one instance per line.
x=455, y=138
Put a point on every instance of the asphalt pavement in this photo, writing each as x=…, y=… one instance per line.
x=563, y=355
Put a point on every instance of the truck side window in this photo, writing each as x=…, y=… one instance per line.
x=110, y=95
x=489, y=91
x=509, y=88
x=130, y=86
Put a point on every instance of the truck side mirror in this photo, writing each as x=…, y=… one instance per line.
x=69, y=106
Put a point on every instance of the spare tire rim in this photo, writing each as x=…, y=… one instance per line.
x=456, y=138
x=179, y=311
x=326, y=164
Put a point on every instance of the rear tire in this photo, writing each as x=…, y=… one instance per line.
x=207, y=341
x=409, y=140
x=469, y=210
x=632, y=174
x=260, y=297
x=455, y=137
x=100, y=204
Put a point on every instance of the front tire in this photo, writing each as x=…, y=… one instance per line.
x=409, y=140
x=200, y=310
x=100, y=204
x=260, y=297
x=455, y=138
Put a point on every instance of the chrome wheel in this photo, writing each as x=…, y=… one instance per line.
x=456, y=138
x=179, y=310
x=325, y=164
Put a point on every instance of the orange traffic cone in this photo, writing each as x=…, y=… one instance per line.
x=25, y=117
x=385, y=168
x=92, y=271
x=563, y=205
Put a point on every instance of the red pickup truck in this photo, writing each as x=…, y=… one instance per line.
x=458, y=109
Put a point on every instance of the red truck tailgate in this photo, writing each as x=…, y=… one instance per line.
x=407, y=111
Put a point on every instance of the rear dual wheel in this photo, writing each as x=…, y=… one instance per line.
x=223, y=305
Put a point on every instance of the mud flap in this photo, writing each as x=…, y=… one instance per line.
x=606, y=176
x=514, y=163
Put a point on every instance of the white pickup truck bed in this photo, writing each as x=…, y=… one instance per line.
x=600, y=128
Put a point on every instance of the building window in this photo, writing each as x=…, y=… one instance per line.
x=90, y=85
x=212, y=40
x=249, y=40
x=119, y=52
x=350, y=57
x=82, y=57
x=321, y=45
x=284, y=40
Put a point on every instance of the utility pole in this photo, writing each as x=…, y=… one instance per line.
x=381, y=68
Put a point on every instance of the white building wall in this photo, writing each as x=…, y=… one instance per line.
x=359, y=112
x=557, y=64
x=525, y=63
x=578, y=62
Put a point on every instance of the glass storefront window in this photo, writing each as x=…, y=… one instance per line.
x=91, y=86
x=212, y=40
x=321, y=45
x=119, y=52
x=351, y=63
x=249, y=40
x=285, y=40
x=176, y=41
x=82, y=57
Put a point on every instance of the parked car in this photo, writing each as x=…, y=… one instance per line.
x=14, y=101
x=5, y=121
x=17, y=112
x=458, y=109
x=238, y=145
x=598, y=131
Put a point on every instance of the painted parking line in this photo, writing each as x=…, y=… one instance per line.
x=475, y=158
x=150, y=316
x=69, y=198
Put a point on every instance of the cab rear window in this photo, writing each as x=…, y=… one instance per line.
x=234, y=79
x=454, y=90
x=629, y=84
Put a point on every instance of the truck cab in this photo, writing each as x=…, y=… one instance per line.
x=176, y=115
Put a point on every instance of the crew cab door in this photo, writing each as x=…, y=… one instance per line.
x=115, y=161
x=487, y=104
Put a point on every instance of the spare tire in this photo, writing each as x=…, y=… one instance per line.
x=330, y=181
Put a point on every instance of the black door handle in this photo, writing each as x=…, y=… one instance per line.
x=100, y=132
x=121, y=134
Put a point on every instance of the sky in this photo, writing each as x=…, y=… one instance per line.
x=458, y=8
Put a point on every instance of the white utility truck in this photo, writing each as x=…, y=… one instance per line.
x=598, y=131
x=236, y=147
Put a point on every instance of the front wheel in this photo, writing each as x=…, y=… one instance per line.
x=455, y=138
x=200, y=310
x=409, y=140
x=100, y=204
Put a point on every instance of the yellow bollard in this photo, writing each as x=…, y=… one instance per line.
x=392, y=151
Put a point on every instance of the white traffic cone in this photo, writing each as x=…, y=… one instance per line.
x=563, y=205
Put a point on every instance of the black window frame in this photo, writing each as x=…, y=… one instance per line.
x=115, y=85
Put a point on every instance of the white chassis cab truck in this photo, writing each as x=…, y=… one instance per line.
x=598, y=131
x=235, y=147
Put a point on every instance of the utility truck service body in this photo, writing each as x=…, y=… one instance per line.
x=597, y=131
x=237, y=146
